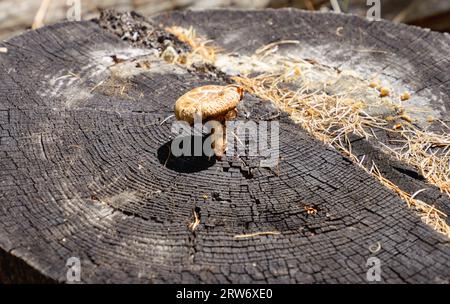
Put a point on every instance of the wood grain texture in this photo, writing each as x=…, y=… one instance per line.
x=84, y=173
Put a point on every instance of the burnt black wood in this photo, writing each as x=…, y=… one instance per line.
x=85, y=177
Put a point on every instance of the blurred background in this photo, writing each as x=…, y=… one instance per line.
x=19, y=15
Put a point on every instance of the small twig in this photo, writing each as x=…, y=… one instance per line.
x=97, y=85
x=242, y=236
x=195, y=223
x=369, y=51
x=74, y=75
x=168, y=156
x=40, y=15
x=362, y=160
x=271, y=45
x=400, y=17
x=166, y=119
x=417, y=192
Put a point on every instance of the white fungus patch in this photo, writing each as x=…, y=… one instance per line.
x=349, y=79
x=73, y=86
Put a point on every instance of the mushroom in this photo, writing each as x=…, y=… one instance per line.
x=210, y=103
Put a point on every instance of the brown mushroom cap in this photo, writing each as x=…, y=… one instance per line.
x=211, y=101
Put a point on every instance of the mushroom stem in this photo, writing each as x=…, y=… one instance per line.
x=220, y=140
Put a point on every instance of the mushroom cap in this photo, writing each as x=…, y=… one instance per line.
x=211, y=101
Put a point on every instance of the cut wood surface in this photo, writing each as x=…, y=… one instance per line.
x=86, y=171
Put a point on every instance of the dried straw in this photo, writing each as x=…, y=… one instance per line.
x=332, y=119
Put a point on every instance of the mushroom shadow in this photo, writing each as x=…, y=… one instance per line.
x=183, y=163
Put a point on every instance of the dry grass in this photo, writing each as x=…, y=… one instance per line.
x=326, y=117
x=428, y=213
x=428, y=152
x=332, y=118
x=201, y=49
x=114, y=86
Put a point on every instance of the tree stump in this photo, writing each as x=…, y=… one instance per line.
x=86, y=169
